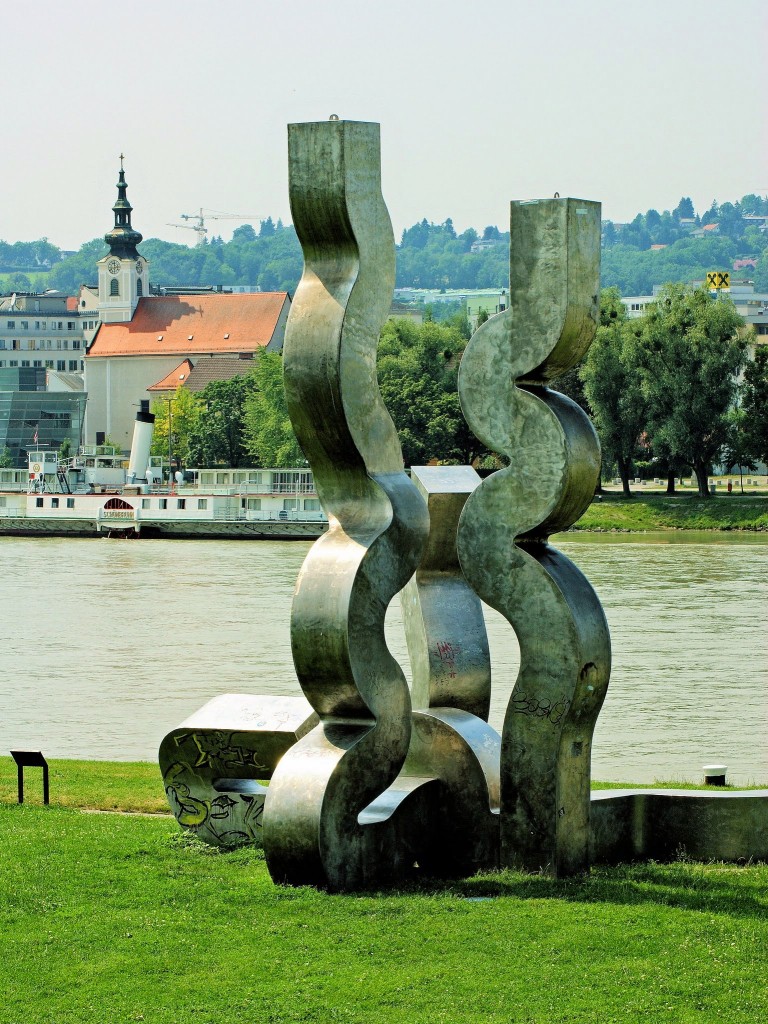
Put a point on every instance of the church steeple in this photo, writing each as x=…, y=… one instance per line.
x=122, y=239
x=123, y=272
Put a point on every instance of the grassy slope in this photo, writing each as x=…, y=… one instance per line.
x=659, y=512
x=114, y=919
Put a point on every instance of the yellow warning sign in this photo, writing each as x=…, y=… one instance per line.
x=718, y=279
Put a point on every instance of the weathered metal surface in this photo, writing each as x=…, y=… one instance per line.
x=213, y=764
x=443, y=617
x=640, y=824
x=554, y=462
x=377, y=530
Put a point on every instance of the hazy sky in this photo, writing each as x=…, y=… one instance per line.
x=631, y=103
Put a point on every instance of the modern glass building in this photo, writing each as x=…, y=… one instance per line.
x=27, y=409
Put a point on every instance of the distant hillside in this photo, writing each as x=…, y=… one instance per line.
x=654, y=248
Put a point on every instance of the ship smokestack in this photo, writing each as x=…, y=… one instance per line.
x=142, y=440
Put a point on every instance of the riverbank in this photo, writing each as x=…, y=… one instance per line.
x=121, y=918
x=135, y=787
x=642, y=513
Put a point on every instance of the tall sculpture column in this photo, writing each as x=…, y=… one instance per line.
x=553, y=465
x=314, y=830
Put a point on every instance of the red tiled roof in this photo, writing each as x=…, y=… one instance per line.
x=172, y=380
x=188, y=324
x=71, y=303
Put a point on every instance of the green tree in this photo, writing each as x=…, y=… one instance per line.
x=612, y=386
x=690, y=349
x=417, y=371
x=181, y=414
x=754, y=406
x=736, y=450
x=6, y=459
x=269, y=436
x=218, y=436
x=761, y=272
x=684, y=209
x=244, y=233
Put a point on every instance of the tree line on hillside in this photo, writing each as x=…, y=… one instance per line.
x=428, y=255
x=663, y=391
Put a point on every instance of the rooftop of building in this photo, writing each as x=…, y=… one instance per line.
x=204, y=324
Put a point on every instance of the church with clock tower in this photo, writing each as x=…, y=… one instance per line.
x=143, y=340
x=123, y=272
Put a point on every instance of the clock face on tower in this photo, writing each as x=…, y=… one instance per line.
x=113, y=266
x=139, y=267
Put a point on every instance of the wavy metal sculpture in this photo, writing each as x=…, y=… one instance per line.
x=554, y=462
x=313, y=832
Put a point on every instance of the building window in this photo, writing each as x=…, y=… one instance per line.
x=11, y=324
x=49, y=364
x=202, y=503
x=13, y=362
x=181, y=503
x=139, y=289
x=76, y=343
x=72, y=366
x=54, y=502
x=25, y=362
x=145, y=502
x=37, y=362
x=15, y=345
x=38, y=502
x=25, y=325
x=163, y=503
x=61, y=365
x=2, y=342
x=114, y=287
x=70, y=325
x=70, y=502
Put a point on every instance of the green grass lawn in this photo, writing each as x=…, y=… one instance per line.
x=106, y=919
x=97, y=785
x=661, y=512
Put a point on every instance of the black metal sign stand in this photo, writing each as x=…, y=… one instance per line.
x=30, y=759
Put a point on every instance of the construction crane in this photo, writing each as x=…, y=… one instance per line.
x=203, y=215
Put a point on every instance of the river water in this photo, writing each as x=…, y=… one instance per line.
x=107, y=645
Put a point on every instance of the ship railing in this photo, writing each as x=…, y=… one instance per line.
x=271, y=516
x=13, y=513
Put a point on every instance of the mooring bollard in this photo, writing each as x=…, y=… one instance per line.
x=30, y=759
x=714, y=774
